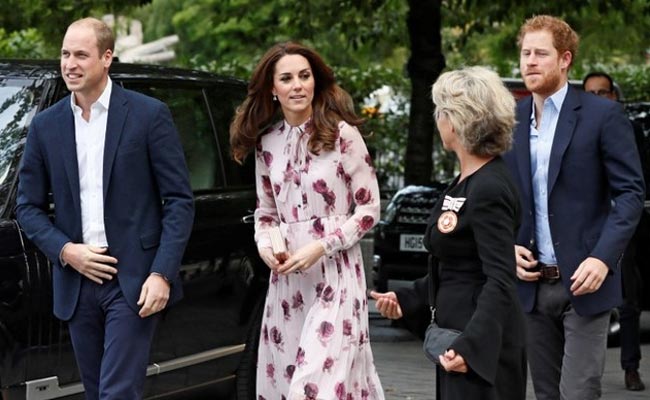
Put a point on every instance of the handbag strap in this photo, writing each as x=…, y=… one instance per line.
x=433, y=285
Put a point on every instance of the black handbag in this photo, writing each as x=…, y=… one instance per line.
x=437, y=340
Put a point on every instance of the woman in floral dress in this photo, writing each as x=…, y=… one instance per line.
x=316, y=182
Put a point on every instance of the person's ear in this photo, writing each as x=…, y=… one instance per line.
x=107, y=58
x=565, y=59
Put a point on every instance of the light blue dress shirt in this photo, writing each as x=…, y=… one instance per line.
x=541, y=141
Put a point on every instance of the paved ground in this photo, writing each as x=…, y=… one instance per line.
x=407, y=374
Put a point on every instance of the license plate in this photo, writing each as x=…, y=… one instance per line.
x=411, y=243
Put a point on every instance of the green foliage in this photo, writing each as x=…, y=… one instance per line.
x=360, y=82
x=386, y=132
x=46, y=20
x=25, y=43
x=634, y=80
x=346, y=32
x=612, y=32
x=386, y=140
x=364, y=41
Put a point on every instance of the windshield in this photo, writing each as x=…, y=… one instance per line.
x=16, y=105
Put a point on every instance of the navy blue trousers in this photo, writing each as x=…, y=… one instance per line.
x=111, y=342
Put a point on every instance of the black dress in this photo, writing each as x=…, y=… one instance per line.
x=472, y=234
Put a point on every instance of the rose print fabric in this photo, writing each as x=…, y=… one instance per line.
x=314, y=342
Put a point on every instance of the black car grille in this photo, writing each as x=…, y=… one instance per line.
x=415, y=210
x=417, y=215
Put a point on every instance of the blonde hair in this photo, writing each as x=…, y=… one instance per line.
x=479, y=107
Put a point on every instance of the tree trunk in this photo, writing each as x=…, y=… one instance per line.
x=424, y=66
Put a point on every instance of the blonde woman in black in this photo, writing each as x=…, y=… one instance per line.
x=471, y=234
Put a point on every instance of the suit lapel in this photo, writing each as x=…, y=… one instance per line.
x=117, y=112
x=563, y=133
x=69, y=150
x=522, y=147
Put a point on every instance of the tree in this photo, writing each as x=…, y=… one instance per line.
x=229, y=36
x=25, y=43
x=485, y=33
x=611, y=31
x=348, y=33
x=424, y=66
x=42, y=23
x=367, y=42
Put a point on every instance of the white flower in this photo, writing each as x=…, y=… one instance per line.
x=386, y=100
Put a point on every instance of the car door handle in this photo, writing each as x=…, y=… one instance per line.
x=248, y=219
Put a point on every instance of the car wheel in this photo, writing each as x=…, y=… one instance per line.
x=614, y=330
x=247, y=370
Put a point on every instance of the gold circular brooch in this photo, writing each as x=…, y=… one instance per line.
x=447, y=221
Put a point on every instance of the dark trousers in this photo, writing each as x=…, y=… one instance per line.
x=111, y=342
x=630, y=311
x=630, y=338
x=566, y=351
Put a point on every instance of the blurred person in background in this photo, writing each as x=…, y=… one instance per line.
x=601, y=84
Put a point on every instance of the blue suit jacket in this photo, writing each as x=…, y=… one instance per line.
x=148, y=202
x=595, y=187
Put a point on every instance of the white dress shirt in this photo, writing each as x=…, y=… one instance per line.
x=90, y=137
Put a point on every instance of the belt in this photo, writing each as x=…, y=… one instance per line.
x=549, y=272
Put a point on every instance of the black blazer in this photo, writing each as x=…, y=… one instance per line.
x=477, y=284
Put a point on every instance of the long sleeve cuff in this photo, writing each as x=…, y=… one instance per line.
x=263, y=240
x=63, y=263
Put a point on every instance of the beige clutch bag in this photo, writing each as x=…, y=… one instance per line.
x=279, y=245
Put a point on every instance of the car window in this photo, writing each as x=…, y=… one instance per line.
x=224, y=100
x=190, y=112
x=18, y=101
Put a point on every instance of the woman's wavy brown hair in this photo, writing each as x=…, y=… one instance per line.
x=331, y=104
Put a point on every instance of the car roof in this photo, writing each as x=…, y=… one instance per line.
x=518, y=88
x=50, y=69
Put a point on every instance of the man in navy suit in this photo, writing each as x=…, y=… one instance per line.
x=123, y=206
x=578, y=171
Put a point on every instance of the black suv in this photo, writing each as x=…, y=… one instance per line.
x=210, y=337
x=399, y=250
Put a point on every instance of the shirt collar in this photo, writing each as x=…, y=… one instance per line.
x=305, y=127
x=557, y=99
x=103, y=100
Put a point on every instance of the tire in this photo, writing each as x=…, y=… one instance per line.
x=247, y=370
x=614, y=329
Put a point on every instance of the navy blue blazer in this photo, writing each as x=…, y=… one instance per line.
x=148, y=202
x=595, y=192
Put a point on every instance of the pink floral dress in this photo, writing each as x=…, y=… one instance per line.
x=314, y=342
